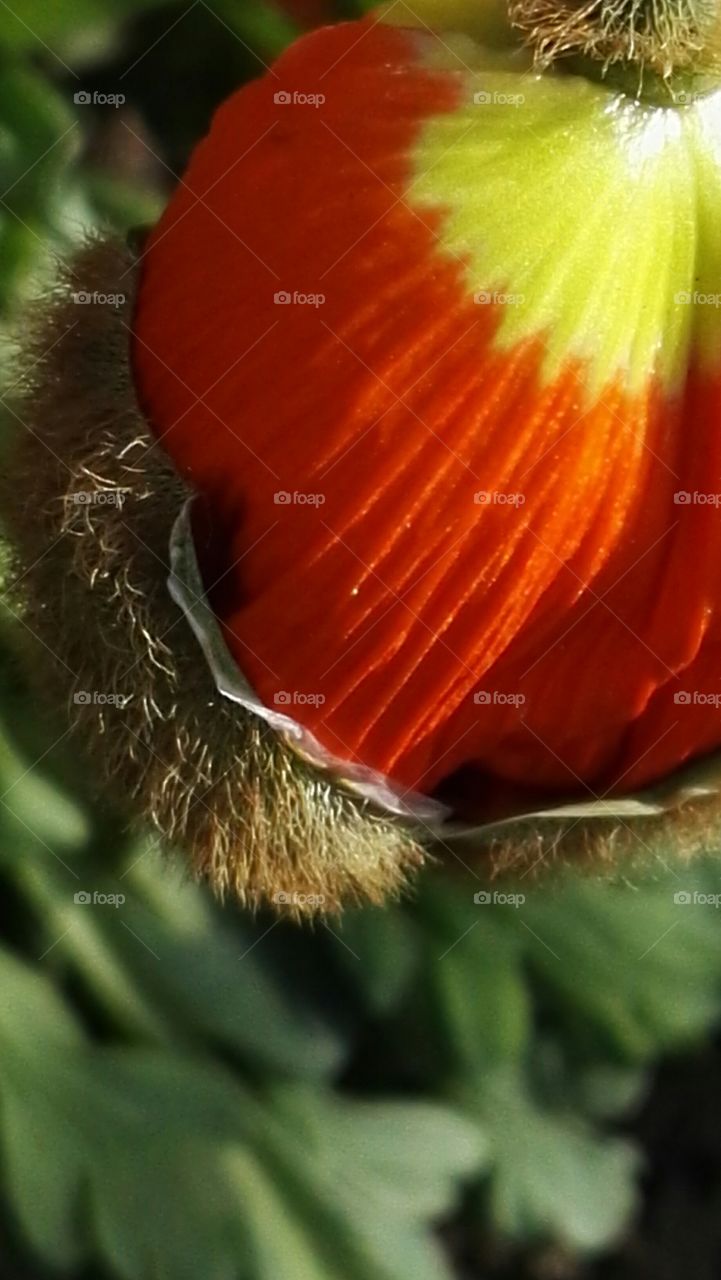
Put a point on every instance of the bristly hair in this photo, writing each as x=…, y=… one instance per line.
x=89, y=499
x=661, y=36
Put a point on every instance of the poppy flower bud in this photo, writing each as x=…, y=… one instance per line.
x=427, y=347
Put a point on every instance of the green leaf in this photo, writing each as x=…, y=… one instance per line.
x=34, y=810
x=475, y=979
x=36, y=1028
x=628, y=971
x=262, y=27
x=553, y=1177
x=65, y=28
x=168, y=968
x=239, y=987
x=379, y=1172
x=39, y=136
x=237, y=1182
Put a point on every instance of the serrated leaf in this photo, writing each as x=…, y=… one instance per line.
x=553, y=1177
x=382, y=1170
x=237, y=1183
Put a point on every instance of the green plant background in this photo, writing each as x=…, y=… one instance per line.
x=185, y=1090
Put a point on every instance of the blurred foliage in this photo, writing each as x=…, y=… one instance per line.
x=187, y=1091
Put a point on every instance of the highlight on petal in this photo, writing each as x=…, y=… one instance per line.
x=434, y=340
